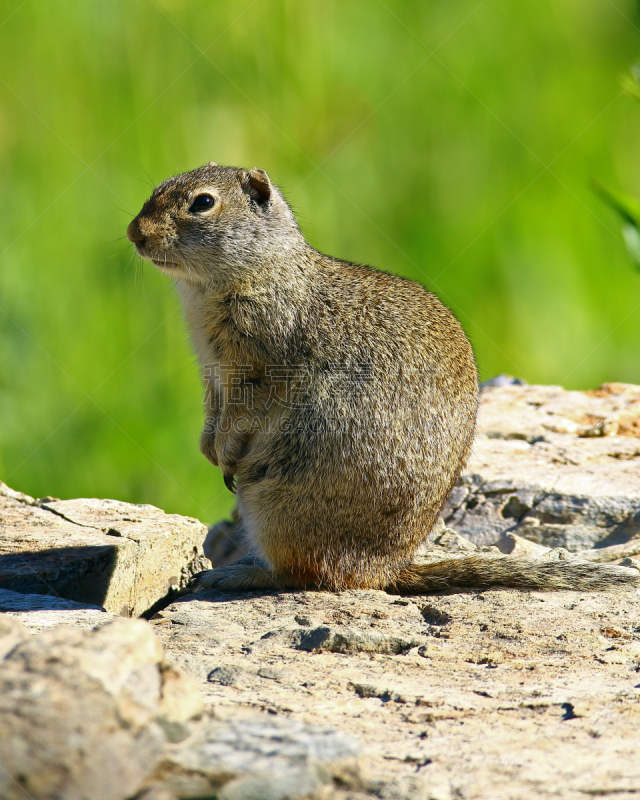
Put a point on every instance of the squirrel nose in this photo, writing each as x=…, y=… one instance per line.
x=134, y=234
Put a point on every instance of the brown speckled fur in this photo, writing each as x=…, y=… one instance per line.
x=338, y=489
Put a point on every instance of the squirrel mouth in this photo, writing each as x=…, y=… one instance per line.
x=161, y=263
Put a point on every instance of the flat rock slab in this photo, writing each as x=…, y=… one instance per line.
x=259, y=756
x=499, y=694
x=41, y=611
x=105, y=553
x=559, y=468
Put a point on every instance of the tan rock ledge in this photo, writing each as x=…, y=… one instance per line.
x=105, y=553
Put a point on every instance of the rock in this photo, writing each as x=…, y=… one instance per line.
x=527, y=412
x=223, y=544
x=11, y=634
x=259, y=757
x=354, y=695
x=180, y=700
x=369, y=690
x=446, y=540
x=477, y=708
x=41, y=611
x=350, y=640
x=227, y=676
x=613, y=553
x=155, y=793
x=502, y=380
x=524, y=547
x=86, y=714
x=558, y=468
x=99, y=552
x=78, y=713
x=99, y=714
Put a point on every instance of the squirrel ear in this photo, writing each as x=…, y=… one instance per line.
x=259, y=185
x=212, y=164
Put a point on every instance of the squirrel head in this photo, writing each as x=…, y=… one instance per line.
x=215, y=226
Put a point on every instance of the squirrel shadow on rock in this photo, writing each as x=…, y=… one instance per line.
x=340, y=401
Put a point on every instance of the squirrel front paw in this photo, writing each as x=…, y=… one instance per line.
x=224, y=449
x=217, y=453
x=208, y=445
x=230, y=449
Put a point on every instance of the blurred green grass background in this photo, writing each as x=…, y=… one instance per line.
x=453, y=143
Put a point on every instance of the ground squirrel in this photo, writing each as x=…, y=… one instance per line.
x=340, y=400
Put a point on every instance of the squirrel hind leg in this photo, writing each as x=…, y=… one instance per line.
x=245, y=575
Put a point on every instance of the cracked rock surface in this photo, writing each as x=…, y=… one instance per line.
x=499, y=694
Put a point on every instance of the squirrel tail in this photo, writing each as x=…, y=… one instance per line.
x=482, y=572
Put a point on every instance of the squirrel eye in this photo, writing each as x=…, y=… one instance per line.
x=201, y=203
